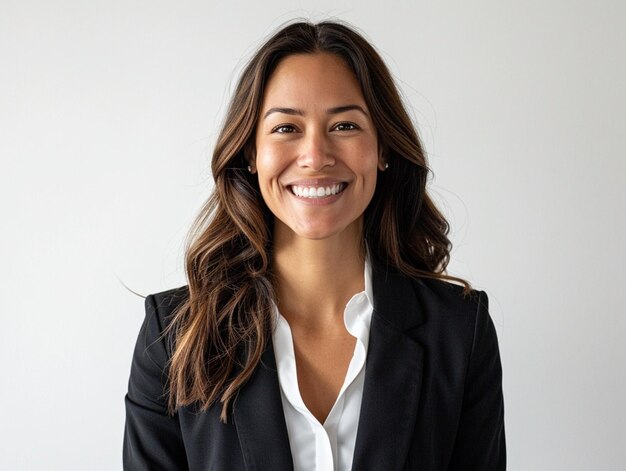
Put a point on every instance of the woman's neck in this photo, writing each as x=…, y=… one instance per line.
x=316, y=278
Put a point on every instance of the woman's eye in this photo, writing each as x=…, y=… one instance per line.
x=284, y=129
x=346, y=127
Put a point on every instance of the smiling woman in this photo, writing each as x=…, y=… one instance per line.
x=323, y=142
x=319, y=329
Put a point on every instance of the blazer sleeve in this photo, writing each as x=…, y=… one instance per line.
x=480, y=442
x=152, y=438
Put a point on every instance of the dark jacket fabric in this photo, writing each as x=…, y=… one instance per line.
x=432, y=397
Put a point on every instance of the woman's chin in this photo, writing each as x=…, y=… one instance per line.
x=317, y=231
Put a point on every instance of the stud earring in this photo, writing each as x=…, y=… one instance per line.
x=249, y=169
x=386, y=165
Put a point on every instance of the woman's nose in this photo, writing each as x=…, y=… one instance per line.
x=316, y=152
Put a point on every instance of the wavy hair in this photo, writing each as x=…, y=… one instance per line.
x=220, y=331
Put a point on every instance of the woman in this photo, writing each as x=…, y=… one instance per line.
x=318, y=330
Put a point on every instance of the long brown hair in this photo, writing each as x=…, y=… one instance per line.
x=219, y=333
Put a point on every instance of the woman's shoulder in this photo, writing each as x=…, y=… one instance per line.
x=447, y=293
x=453, y=311
x=160, y=309
x=430, y=304
x=165, y=303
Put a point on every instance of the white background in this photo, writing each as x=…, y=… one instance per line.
x=108, y=112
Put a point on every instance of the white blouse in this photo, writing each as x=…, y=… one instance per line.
x=328, y=446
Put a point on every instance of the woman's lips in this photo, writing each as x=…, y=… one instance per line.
x=317, y=191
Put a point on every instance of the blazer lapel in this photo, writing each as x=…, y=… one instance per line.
x=260, y=421
x=393, y=376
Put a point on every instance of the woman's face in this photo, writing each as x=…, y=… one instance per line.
x=316, y=148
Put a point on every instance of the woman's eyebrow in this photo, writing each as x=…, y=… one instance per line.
x=334, y=110
x=343, y=109
x=292, y=111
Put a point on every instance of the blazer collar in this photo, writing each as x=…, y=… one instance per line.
x=395, y=299
x=393, y=376
x=260, y=421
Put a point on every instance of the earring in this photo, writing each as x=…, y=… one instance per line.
x=386, y=165
x=249, y=169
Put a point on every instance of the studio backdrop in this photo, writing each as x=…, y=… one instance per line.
x=108, y=114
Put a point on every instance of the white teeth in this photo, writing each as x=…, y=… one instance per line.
x=317, y=192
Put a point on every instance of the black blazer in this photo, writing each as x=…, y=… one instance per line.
x=432, y=398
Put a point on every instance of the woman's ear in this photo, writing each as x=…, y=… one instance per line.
x=251, y=166
x=383, y=164
x=249, y=153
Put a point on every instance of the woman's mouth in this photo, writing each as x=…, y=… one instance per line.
x=315, y=192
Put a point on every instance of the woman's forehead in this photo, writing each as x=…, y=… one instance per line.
x=312, y=80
